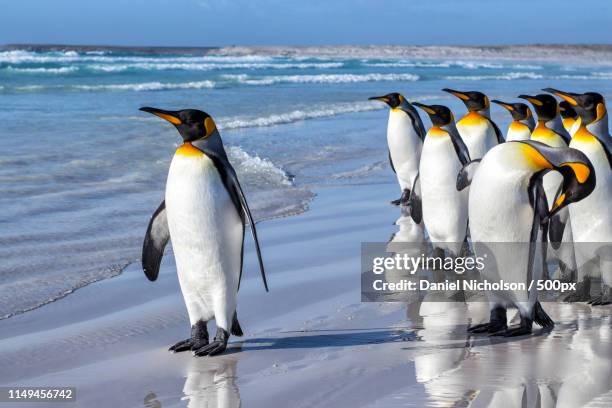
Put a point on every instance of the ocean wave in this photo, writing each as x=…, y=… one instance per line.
x=406, y=64
x=41, y=70
x=263, y=170
x=143, y=86
x=209, y=66
x=320, y=78
x=297, y=115
x=508, y=76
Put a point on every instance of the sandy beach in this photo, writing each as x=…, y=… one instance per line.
x=310, y=341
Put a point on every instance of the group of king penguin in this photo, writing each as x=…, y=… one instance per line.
x=537, y=196
x=449, y=175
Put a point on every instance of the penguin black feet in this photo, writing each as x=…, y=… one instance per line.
x=199, y=338
x=404, y=199
x=604, y=299
x=498, y=322
x=523, y=329
x=218, y=345
x=582, y=292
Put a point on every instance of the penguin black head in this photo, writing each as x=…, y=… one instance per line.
x=519, y=111
x=577, y=171
x=474, y=101
x=439, y=115
x=567, y=110
x=590, y=106
x=192, y=124
x=393, y=99
x=544, y=105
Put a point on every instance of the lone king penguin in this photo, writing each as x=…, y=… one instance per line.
x=204, y=215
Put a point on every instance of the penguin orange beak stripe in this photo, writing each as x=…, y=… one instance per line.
x=558, y=202
x=533, y=100
x=425, y=108
x=504, y=104
x=379, y=98
x=458, y=94
x=562, y=95
x=166, y=115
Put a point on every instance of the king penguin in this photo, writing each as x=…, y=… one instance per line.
x=551, y=132
x=592, y=227
x=203, y=214
x=569, y=117
x=444, y=209
x=405, y=134
x=510, y=232
x=476, y=128
x=522, y=121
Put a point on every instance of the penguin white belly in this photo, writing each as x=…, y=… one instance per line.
x=445, y=209
x=518, y=131
x=478, y=134
x=593, y=214
x=591, y=217
x=501, y=228
x=206, y=233
x=404, y=147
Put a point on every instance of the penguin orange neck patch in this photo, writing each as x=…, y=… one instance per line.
x=472, y=119
x=436, y=131
x=187, y=149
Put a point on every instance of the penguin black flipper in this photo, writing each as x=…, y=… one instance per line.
x=155, y=241
x=557, y=224
x=466, y=175
x=606, y=144
x=460, y=148
x=417, y=123
x=498, y=133
x=415, y=203
x=539, y=226
x=230, y=181
x=391, y=162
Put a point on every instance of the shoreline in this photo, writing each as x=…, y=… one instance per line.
x=532, y=52
x=310, y=340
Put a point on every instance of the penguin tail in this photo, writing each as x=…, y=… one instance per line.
x=542, y=318
x=236, y=330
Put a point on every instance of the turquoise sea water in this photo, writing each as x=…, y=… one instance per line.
x=82, y=169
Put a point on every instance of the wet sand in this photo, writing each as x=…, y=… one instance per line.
x=310, y=341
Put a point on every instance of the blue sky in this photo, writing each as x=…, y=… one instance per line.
x=302, y=22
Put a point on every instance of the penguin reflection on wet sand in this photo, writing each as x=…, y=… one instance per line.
x=501, y=228
x=522, y=120
x=444, y=209
x=405, y=134
x=204, y=215
x=476, y=128
x=592, y=227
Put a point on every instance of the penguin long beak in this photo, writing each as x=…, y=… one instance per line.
x=535, y=101
x=170, y=116
x=379, y=98
x=571, y=98
x=504, y=104
x=458, y=94
x=425, y=108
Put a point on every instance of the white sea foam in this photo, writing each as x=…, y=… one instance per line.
x=209, y=66
x=143, y=86
x=320, y=78
x=508, y=76
x=262, y=169
x=407, y=64
x=297, y=115
x=41, y=70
